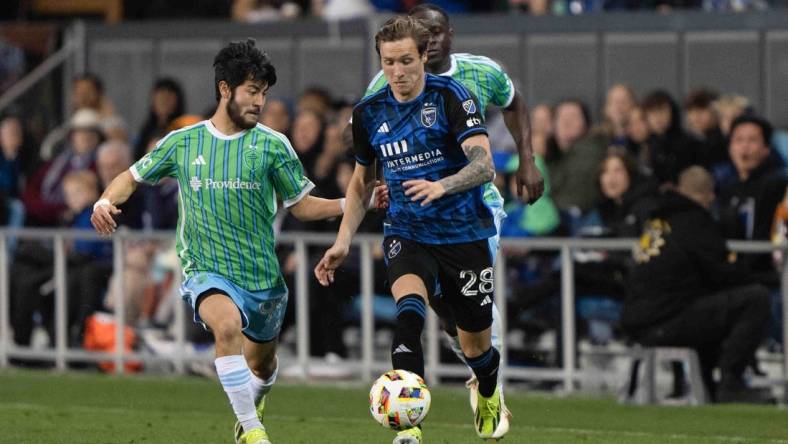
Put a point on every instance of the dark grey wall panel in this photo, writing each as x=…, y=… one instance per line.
x=644, y=61
x=281, y=54
x=504, y=49
x=336, y=65
x=776, y=78
x=127, y=68
x=191, y=63
x=726, y=61
x=560, y=66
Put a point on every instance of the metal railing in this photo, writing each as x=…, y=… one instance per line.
x=367, y=367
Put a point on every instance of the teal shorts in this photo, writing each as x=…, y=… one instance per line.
x=262, y=312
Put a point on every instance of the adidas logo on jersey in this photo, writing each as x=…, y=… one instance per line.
x=384, y=128
x=486, y=301
x=401, y=349
x=199, y=161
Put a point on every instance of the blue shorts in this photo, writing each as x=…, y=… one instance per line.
x=262, y=312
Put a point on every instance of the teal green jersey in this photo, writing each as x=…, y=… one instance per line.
x=483, y=77
x=229, y=187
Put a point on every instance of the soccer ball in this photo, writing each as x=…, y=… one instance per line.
x=399, y=399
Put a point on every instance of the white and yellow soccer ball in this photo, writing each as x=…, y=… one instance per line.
x=399, y=399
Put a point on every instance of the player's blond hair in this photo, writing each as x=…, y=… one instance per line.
x=401, y=27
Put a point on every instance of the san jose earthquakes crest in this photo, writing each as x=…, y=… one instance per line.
x=429, y=115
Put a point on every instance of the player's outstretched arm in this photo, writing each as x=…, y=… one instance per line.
x=316, y=208
x=359, y=192
x=118, y=191
x=528, y=176
x=478, y=171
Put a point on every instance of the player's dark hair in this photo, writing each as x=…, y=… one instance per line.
x=401, y=27
x=760, y=122
x=426, y=7
x=242, y=61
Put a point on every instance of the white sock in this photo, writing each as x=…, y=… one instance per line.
x=236, y=380
x=261, y=387
x=497, y=342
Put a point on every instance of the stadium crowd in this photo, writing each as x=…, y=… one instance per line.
x=604, y=179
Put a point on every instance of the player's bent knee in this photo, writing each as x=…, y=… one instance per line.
x=227, y=332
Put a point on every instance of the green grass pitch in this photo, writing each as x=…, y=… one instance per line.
x=37, y=407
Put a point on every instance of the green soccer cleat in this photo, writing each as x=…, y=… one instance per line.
x=473, y=386
x=491, y=416
x=255, y=436
x=239, y=431
x=409, y=436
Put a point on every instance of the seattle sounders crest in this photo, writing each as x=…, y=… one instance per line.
x=253, y=157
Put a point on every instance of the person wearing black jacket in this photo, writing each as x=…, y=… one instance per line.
x=749, y=199
x=684, y=292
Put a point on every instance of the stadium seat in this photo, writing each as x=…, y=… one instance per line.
x=641, y=386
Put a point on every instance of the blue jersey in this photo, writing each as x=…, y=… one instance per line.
x=421, y=139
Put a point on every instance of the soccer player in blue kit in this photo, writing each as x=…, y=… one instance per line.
x=490, y=85
x=428, y=134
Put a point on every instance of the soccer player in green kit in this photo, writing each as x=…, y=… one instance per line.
x=490, y=84
x=231, y=170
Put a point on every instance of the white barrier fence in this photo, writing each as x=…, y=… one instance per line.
x=368, y=366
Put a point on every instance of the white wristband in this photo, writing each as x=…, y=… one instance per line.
x=100, y=202
x=342, y=205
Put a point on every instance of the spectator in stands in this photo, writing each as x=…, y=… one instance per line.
x=618, y=106
x=276, y=116
x=256, y=11
x=115, y=128
x=684, y=292
x=112, y=158
x=87, y=261
x=87, y=92
x=628, y=197
x=17, y=160
x=728, y=108
x=43, y=195
x=749, y=199
x=90, y=261
x=541, y=128
x=638, y=136
x=317, y=100
x=703, y=123
x=166, y=104
x=572, y=157
x=672, y=149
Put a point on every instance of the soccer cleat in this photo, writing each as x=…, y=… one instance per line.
x=409, y=436
x=255, y=436
x=491, y=416
x=239, y=430
x=473, y=386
